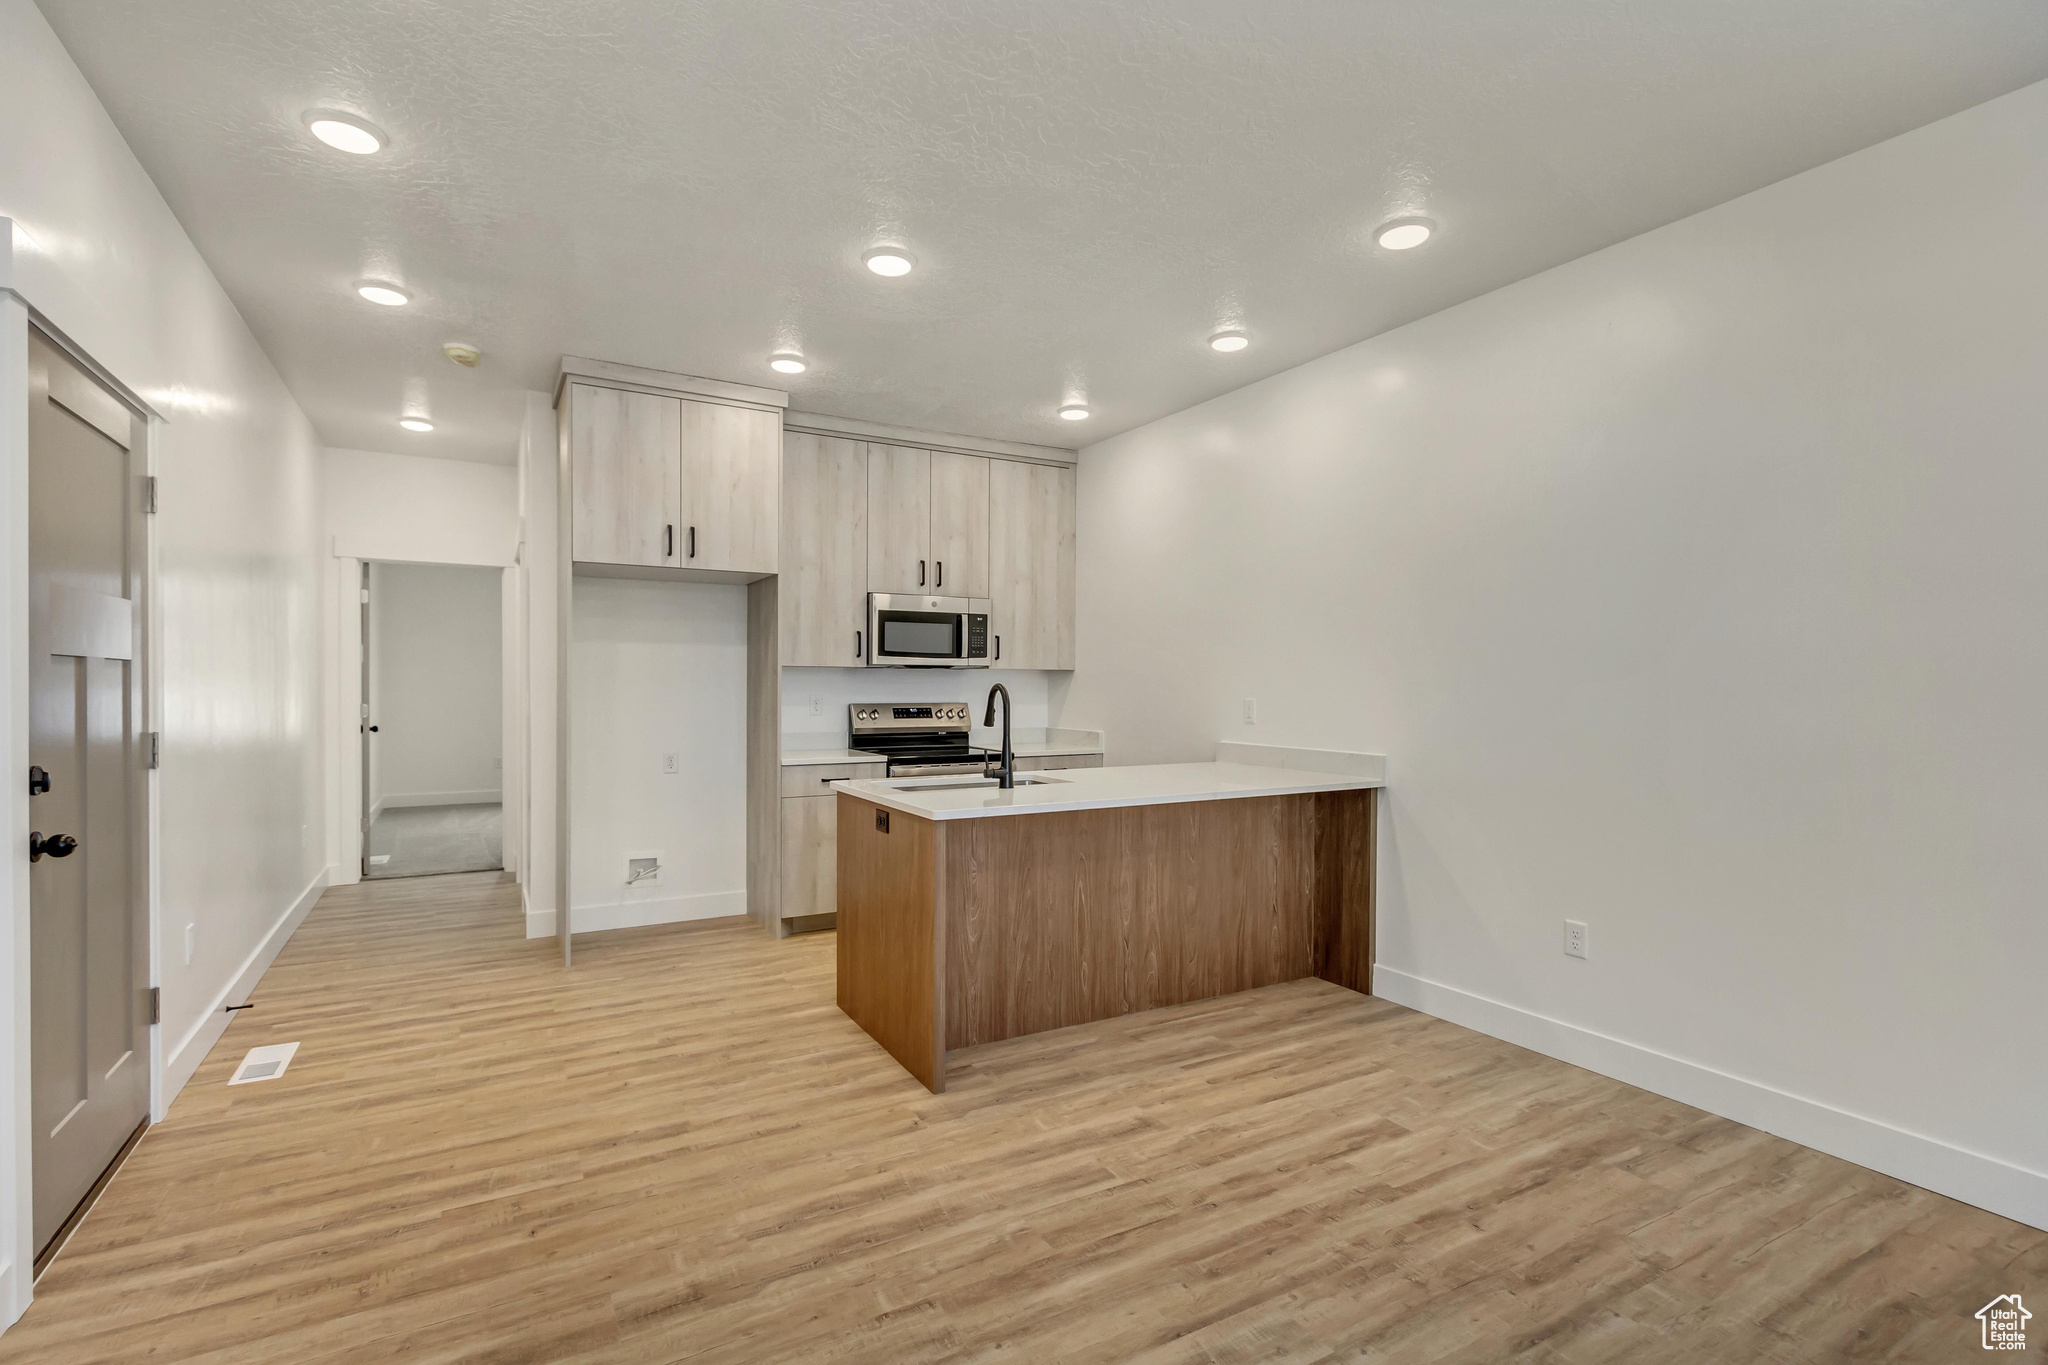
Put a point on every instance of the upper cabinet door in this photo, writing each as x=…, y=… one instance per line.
x=731, y=487
x=1031, y=564
x=623, y=476
x=824, y=581
x=959, y=537
x=899, y=519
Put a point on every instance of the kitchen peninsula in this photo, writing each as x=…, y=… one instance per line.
x=969, y=914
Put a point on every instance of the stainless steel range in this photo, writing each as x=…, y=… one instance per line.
x=921, y=739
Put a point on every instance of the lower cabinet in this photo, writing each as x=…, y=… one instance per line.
x=810, y=836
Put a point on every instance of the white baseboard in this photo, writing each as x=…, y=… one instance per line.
x=633, y=914
x=1984, y=1181
x=539, y=923
x=481, y=797
x=184, y=1059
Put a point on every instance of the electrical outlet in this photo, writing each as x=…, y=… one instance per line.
x=1251, y=711
x=670, y=763
x=643, y=871
x=817, y=706
x=191, y=937
x=1575, y=938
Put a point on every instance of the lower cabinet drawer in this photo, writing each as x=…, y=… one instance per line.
x=809, y=779
x=810, y=855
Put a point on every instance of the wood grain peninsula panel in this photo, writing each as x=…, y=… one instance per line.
x=1069, y=917
x=1347, y=851
x=891, y=935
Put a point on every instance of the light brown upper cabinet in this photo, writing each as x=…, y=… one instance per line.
x=731, y=488
x=899, y=519
x=959, y=535
x=663, y=482
x=824, y=550
x=624, y=472
x=927, y=522
x=1031, y=564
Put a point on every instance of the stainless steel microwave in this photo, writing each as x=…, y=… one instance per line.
x=911, y=631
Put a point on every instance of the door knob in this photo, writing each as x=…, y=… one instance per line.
x=57, y=846
x=373, y=729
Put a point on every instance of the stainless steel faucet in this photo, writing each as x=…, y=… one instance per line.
x=1007, y=776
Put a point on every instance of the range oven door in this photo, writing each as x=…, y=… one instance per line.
x=906, y=631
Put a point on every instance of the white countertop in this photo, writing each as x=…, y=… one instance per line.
x=1099, y=789
x=797, y=757
x=1024, y=744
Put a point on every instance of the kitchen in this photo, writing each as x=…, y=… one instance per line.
x=1180, y=683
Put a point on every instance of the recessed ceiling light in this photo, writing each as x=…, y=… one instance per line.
x=1404, y=233
x=415, y=424
x=391, y=296
x=786, y=362
x=1229, y=341
x=344, y=133
x=1074, y=412
x=888, y=260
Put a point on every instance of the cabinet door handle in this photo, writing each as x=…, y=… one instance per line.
x=920, y=573
x=668, y=542
x=939, y=578
x=693, y=542
x=999, y=646
x=858, y=652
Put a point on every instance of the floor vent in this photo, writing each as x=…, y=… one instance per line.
x=264, y=1063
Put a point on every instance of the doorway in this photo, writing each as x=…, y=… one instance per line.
x=89, y=1008
x=432, y=719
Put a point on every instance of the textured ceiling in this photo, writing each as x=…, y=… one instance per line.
x=1090, y=188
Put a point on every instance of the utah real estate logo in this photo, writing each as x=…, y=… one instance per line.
x=2005, y=1323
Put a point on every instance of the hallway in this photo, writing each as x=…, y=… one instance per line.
x=681, y=1150
x=428, y=841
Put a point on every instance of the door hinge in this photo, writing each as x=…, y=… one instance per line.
x=366, y=710
x=149, y=493
x=366, y=596
x=156, y=1004
x=156, y=748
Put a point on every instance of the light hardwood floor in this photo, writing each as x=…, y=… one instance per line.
x=680, y=1150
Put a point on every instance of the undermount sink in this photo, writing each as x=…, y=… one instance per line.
x=947, y=784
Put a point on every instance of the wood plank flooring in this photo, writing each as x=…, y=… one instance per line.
x=681, y=1151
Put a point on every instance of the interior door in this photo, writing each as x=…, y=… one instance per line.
x=959, y=524
x=899, y=519
x=625, y=455
x=88, y=958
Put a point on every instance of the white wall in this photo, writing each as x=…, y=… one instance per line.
x=439, y=679
x=1695, y=590
x=95, y=250
x=412, y=508
x=655, y=669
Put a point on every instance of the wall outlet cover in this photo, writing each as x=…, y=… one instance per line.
x=1251, y=711
x=671, y=763
x=1575, y=934
x=643, y=871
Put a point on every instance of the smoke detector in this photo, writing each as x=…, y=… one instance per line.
x=462, y=353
